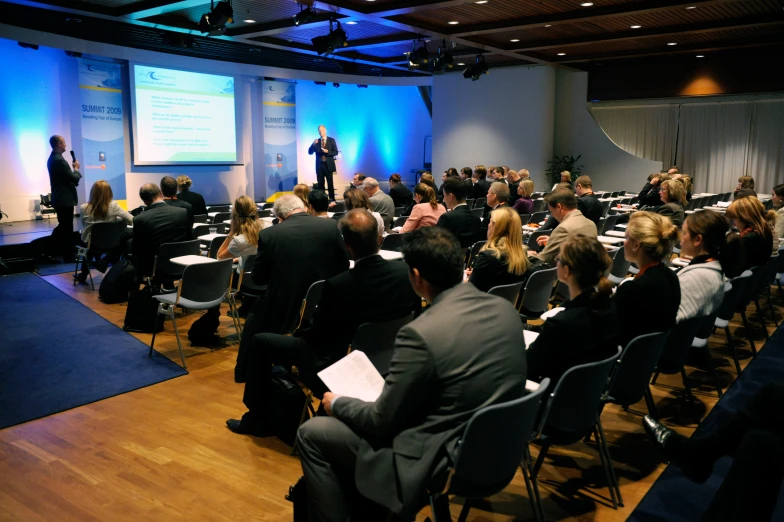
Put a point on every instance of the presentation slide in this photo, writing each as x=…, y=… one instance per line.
x=182, y=117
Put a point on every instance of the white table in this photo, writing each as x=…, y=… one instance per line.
x=205, y=225
x=615, y=233
x=212, y=214
x=389, y=255
x=267, y=221
x=680, y=261
x=191, y=260
x=209, y=237
x=610, y=240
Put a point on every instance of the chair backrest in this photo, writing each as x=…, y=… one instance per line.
x=205, y=282
x=678, y=345
x=220, y=217
x=46, y=200
x=538, y=217
x=470, y=202
x=750, y=287
x=609, y=223
x=164, y=267
x=266, y=205
x=393, y=242
x=310, y=303
x=534, y=236
x=264, y=213
x=509, y=292
x=729, y=302
x=399, y=222
x=573, y=407
x=713, y=200
x=605, y=207
x=399, y=211
x=727, y=196
x=105, y=236
x=340, y=206
x=246, y=281
x=480, y=202
x=473, y=252
x=493, y=443
x=525, y=218
x=478, y=212
x=539, y=205
x=538, y=289
x=215, y=245
x=377, y=341
x=202, y=230
x=620, y=266
x=200, y=218
x=615, y=194
x=635, y=366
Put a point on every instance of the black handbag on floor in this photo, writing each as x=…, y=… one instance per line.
x=117, y=283
x=286, y=403
x=142, y=314
x=298, y=495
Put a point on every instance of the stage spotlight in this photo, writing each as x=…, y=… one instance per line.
x=443, y=62
x=335, y=39
x=215, y=21
x=418, y=55
x=304, y=16
x=34, y=47
x=477, y=70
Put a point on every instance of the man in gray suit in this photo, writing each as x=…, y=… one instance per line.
x=381, y=202
x=563, y=206
x=464, y=353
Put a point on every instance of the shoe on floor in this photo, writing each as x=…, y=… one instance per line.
x=668, y=442
x=245, y=428
x=81, y=277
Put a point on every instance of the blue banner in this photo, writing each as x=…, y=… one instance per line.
x=279, y=101
x=103, y=126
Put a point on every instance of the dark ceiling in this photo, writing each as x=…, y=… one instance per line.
x=571, y=33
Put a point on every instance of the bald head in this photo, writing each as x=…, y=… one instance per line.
x=57, y=143
x=360, y=233
x=150, y=193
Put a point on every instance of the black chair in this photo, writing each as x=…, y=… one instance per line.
x=104, y=238
x=480, y=203
x=749, y=294
x=264, y=213
x=536, y=296
x=509, y=292
x=726, y=312
x=200, y=218
x=163, y=269
x=700, y=343
x=538, y=217
x=218, y=208
x=472, y=252
x=605, y=207
x=675, y=353
x=392, y=242
x=309, y=304
x=340, y=206
x=539, y=206
x=609, y=224
x=494, y=442
x=215, y=245
x=478, y=212
x=572, y=413
x=525, y=218
x=266, y=206
x=399, y=211
x=531, y=243
x=220, y=217
x=377, y=341
x=201, y=230
x=400, y=221
x=620, y=267
x=470, y=202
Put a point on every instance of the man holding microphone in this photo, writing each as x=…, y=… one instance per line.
x=325, y=149
x=63, y=182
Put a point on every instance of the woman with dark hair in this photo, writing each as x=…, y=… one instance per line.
x=185, y=194
x=778, y=203
x=745, y=187
x=426, y=211
x=715, y=253
x=587, y=328
x=356, y=198
x=399, y=193
x=755, y=228
x=503, y=259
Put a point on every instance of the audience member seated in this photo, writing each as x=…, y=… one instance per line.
x=294, y=254
x=648, y=303
x=356, y=198
x=756, y=234
x=428, y=179
x=481, y=185
x=392, y=450
x=426, y=212
x=566, y=177
x=503, y=259
x=196, y=200
x=169, y=190
x=524, y=203
x=649, y=195
x=400, y=194
x=673, y=195
x=745, y=187
x=357, y=180
x=497, y=197
x=460, y=221
x=302, y=191
x=101, y=209
x=587, y=328
x=374, y=290
x=381, y=202
x=448, y=173
x=587, y=202
x=318, y=203
x=752, y=436
x=688, y=185
x=465, y=176
x=778, y=204
x=158, y=224
x=513, y=180
x=715, y=253
x=562, y=204
x=524, y=174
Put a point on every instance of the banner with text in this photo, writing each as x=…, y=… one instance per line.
x=103, y=128
x=279, y=101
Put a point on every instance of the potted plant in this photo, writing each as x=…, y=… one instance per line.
x=563, y=163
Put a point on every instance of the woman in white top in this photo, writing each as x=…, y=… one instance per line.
x=714, y=253
x=243, y=238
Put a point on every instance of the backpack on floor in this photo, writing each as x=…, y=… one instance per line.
x=142, y=314
x=286, y=402
x=298, y=495
x=117, y=283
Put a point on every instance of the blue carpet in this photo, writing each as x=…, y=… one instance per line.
x=57, y=354
x=673, y=497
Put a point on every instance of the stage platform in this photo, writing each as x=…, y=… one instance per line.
x=16, y=237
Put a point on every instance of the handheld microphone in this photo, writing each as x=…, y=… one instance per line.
x=73, y=156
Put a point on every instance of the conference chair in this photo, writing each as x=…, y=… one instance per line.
x=700, y=343
x=220, y=217
x=609, y=224
x=749, y=294
x=509, y=292
x=46, y=205
x=531, y=243
x=219, y=208
x=392, y=242
x=245, y=287
x=215, y=245
x=399, y=211
x=725, y=313
x=470, y=202
x=163, y=269
x=525, y=218
x=615, y=194
x=538, y=216
x=201, y=230
x=309, y=305
x=605, y=207
x=203, y=286
x=377, y=341
x=472, y=252
x=200, y=218
x=340, y=206
x=572, y=413
x=768, y=274
x=267, y=205
x=480, y=203
x=620, y=267
x=478, y=212
x=400, y=221
x=264, y=213
x=494, y=443
x=539, y=205
x=536, y=296
x=104, y=238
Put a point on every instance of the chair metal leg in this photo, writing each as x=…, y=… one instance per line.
x=615, y=488
x=533, y=473
x=732, y=348
x=770, y=307
x=655, y=376
x=651, y=405
x=713, y=370
x=533, y=488
x=748, y=333
x=440, y=507
x=464, y=512
x=308, y=405
x=761, y=318
x=179, y=344
x=90, y=275
x=689, y=395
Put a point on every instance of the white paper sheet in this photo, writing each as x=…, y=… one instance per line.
x=354, y=376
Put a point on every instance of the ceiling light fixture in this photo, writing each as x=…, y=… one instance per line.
x=477, y=70
x=418, y=55
x=453, y=22
x=460, y=64
x=335, y=39
x=514, y=40
x=352, y=22
x=692, y=7
x=215, y=21
x=249, y=21
x=443, y=62
x=304, y=16
x=700, y=56
x=561, y=54
x=586, y=4
x=635, y=26
x=481, y=2
x=548, y=25
x=672, y=43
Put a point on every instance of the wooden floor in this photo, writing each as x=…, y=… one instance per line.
x=164, y=452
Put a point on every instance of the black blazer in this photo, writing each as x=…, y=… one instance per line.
x=757, y=249
x=188, y=208
x=674, y=211
x=63, y=181
x=486, y=215
x=480, y=189
x=401, y=195
x=489, y=271
x=591, y=207
x=158, y=224
x=332, y=151
x=586, y=331
x=744, y=192
x=374, y=290
x=513, y=195
x=292, y=255
x=649, y=303
x=195, y=199
x=649, y=196
x=466, y=227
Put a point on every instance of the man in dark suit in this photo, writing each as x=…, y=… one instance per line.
x=587, y=202
x=481, y=185
x=63, y=182
x=459, y=220
x=158, y=224
x=465, y=177
x=513, y=180
x=293, y=254
x=390, y=450
x=385, y=294
x=169, y=189
x=325, y=149
x=497, y=196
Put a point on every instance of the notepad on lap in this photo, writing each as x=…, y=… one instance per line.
x=354, y=376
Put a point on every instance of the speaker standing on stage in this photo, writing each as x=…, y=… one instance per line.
x=63, y=182
x=326, y=149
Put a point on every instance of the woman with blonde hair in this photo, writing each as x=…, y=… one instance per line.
x=185, y=194
x=688, y=184
x=426, y=211
x=648, y=303
x=673, y=195
x=524, y=204
x=302, y=191
x=745, y=188
x=566, y=177
x=755, y=228
x=503, y=259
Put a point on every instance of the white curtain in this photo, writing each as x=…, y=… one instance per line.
x=765, y=158
x=647, y=131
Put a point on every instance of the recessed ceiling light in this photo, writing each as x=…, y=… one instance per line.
x=692, y=7
x=481, y=2
x=700, y=56
x=74, y=20
x=561, y=54
x=548, y=25
x=460, y=63
x=514, y=40
x=453, y=22
x=351, y=23
x=249, y=21
x=672, y=43
x=587, y=4
x=635, y=26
